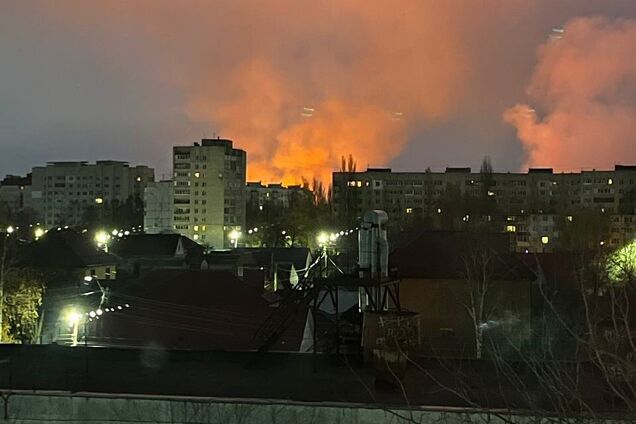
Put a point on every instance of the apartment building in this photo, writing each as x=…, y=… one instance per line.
x=15, y=193
x=277, y=195
x=62, y=191
x=209, y=191
x=158, y=207
x=529, y=201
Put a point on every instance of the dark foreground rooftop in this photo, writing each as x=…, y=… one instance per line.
x=271, y=376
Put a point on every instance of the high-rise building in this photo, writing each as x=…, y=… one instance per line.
x=158, y=207
x=209, y=192
x=63, y=191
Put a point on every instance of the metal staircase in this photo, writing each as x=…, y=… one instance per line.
x=300, y=297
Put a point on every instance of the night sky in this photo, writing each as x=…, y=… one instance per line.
x=408, y=84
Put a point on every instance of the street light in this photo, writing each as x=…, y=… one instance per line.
x=101, y=238
x=72, y=317
x=10, y=229
x=322, y=238
x=38, y=232
x=234, y=236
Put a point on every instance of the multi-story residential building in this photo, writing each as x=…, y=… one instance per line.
x=158, y=207
x=209, y=191
x=529, y=199
x=622, y=230
x=261, y=195
x=62, y=191
x=537, y=233
x=15, y=193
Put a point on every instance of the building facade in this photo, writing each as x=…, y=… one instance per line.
x=531, y=204
x=158, y=207
x=63, y=191
x=15, y=193
x=262, y=195
x=209, y=191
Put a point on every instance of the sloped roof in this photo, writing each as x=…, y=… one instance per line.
x=442, y=255
x=64, y=249
x=264, y=256
x=558, y=267
x=193, y=310
x=228, y=258
x=148, y=245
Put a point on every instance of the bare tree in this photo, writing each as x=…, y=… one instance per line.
x=478, y=262
x=594, y=372
x=348, y=164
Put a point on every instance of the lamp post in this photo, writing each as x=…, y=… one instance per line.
x=234, y=237
x=9, y=230
x=102, y=238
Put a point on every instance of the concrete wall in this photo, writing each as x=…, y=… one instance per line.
x=26, y=408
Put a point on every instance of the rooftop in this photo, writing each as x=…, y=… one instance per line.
x=442, y=255
x=468, y=170
x=147, y=245
x=16, y=180
x=190, y=309
x=64, y=249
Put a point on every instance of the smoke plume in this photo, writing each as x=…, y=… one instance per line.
x=584, y=93
x=298, y=84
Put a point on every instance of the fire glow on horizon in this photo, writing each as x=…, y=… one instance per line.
x=300, y=84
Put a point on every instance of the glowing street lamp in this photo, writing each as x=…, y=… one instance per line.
x=38, y=233
x=322, y=238
x=101, y=238
x=72, y=317
x=234, y=237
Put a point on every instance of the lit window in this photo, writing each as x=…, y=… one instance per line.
x=545, y=239
x=138, y=179
x=511, y=228
x=359, y=183
x=610, y=182
x=409, y=210
x=196, y=237
x=569, y=218
x=197, y=174
x=196, y=228
x=439, y=210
